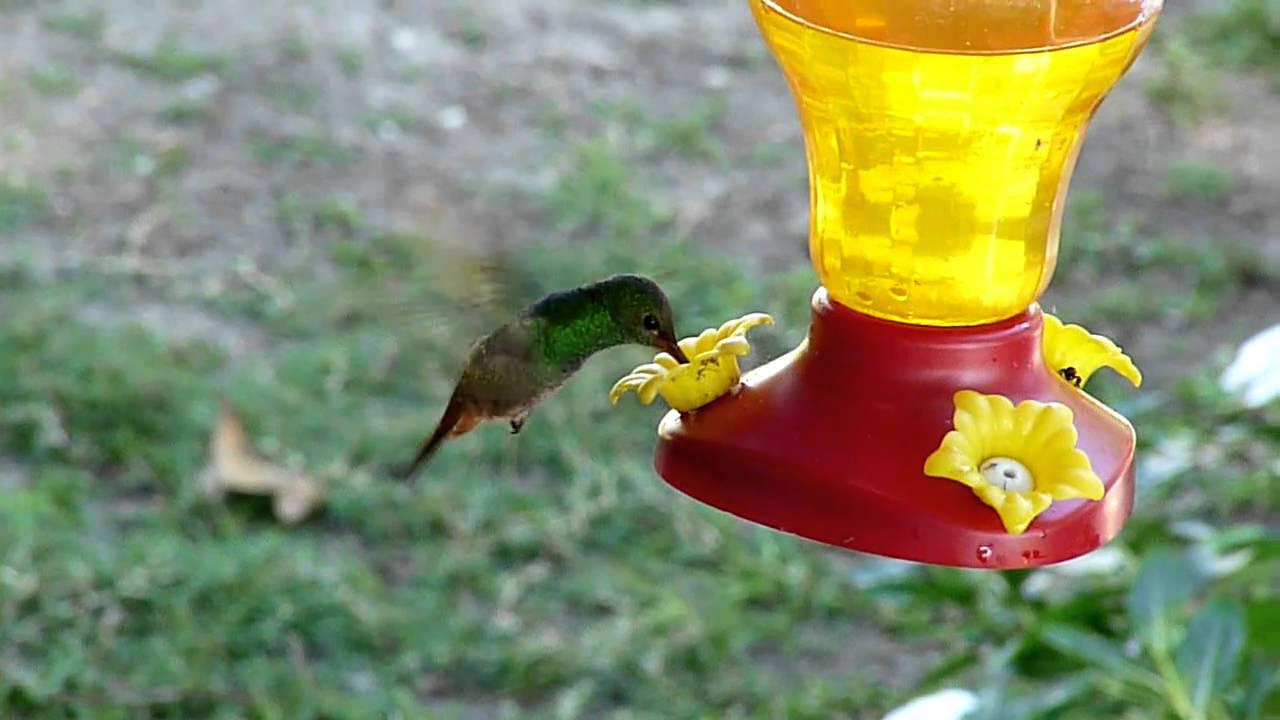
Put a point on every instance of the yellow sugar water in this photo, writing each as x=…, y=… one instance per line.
x=938, y=175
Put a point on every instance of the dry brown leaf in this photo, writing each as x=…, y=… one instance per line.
x=235, y=467
x=296, y=499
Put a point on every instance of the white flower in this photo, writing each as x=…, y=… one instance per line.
x=949, y=704
x=1254, y=374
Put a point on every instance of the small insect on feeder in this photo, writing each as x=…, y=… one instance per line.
x=934, y=413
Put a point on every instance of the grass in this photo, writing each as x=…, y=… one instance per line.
x=350, y=61
x=1110, y=269
x=87, y=27
x=295, y=48
x=54, y=81
x=1243, y=34
x=1186, y=83
x=689, y=135
x=396, y=118
x=302, y=148
x=471, y=32
x=595, y=196
x=302, y=216
x=21, y=203
x=133, y=157
x=290, y=96
x=1195, y=181
x=512, y=588
x=185, y=112
x=551, y=575
x=692, y=134
x=169, y=61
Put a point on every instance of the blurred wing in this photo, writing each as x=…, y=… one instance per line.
x=424, y=291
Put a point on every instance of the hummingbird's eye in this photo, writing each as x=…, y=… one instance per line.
x=651, y=322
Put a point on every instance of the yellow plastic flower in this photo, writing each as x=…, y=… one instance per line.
x=1018, y=459
x=711, y=372
x=1075, y=354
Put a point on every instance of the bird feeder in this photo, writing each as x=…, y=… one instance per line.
x=934, y=413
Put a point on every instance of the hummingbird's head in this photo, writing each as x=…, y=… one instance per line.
x=642, y=312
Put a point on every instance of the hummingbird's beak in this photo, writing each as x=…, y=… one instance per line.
x=668, y=344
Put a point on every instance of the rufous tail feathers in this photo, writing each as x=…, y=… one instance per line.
x=455, y=421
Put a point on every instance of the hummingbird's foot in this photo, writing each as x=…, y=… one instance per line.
x=517, y=423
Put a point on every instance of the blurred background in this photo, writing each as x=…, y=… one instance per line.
x=276, y=208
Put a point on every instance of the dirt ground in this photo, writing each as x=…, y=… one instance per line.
x=441, y=109
x=482, y=80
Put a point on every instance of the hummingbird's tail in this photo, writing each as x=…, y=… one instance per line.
x=455, y=421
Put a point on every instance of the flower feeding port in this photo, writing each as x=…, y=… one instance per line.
x=934, y=413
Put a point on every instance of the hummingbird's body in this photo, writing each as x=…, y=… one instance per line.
x=509, y=371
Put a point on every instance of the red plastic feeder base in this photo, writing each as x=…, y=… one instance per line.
x=828, y=442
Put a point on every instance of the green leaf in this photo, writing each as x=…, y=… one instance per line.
x=1264, y=543
x=1264, y=548
x=1260, y=693
x=1096, y=651
x=1263, y=619
x=949, y=667
x=1209, y=656
x=998, y=703
x=1166, y=581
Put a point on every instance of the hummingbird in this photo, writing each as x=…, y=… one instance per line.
x=522, y=362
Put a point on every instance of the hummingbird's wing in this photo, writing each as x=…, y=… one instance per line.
x=427, y=292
